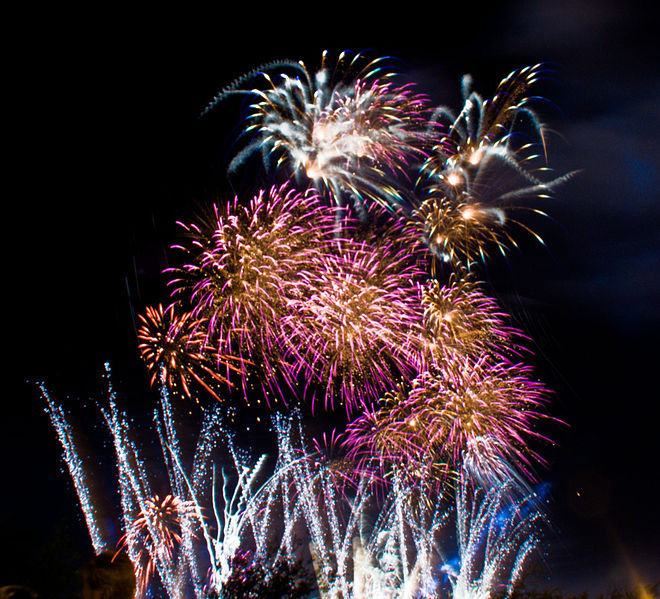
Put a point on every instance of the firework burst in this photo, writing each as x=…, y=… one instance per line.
x=491, y=156
x=349, y=130
x=462, y=404
x=460, y=319
x=335, y=304
x=157, y=530
x=173, y=348
x=391, y=440
x=240, y=265
x=349, y=325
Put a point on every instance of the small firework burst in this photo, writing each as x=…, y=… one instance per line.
x=451, y=409
x=491, y=156
x=173, y=347
x=455, y=228
x=157, y=531
x=460, y=318
x=163, y=519
x=240, y=265
x=349, y=326
x=391, y=441
x=349, y=130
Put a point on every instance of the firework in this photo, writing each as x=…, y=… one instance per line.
x=157, y=530
x=485, y=124
x=360, y=546
x=458, y=405
x=172, y=346
x=168, y=540
x=76, y=468
x=349, y=130
x=335, y=304
x=491, y=155
x=496, y=538
x=239, y=267
x=460, y=319
x=348, y=328
x=163, y=517
x=391, y=440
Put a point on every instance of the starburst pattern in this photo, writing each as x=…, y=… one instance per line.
x=450, y=408
x=173, y=348
x=240, y=265
x=459, y=318
x=348, y=328
x=351, y=130
x=157, y=530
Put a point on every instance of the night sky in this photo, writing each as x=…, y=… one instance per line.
x=108, y=152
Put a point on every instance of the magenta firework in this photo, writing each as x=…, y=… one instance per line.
x=351, y=322
x=462, y=406
x=240, y=265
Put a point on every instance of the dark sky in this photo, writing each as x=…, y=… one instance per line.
x=107, y=151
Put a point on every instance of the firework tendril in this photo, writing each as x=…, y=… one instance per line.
x=491, y=156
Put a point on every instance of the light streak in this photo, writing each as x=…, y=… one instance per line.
x=74, y=462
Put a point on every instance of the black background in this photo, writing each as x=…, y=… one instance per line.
x=107, y=151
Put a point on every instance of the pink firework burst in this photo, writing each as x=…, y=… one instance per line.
x=239, y=266
x=459, y=318
x=453, y=408
x=352, y=321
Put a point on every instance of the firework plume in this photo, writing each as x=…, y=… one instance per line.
x=350, y=131
x=496, y=537
x=491, y=156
